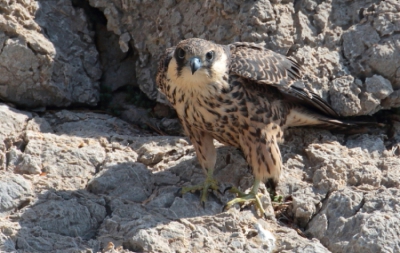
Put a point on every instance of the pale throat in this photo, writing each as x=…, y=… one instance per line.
x=201, y=81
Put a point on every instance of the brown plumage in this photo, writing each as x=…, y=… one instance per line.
x=242, y=95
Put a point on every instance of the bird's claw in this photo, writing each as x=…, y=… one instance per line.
x=245, y=197
x=209, y=184
x=228, y=188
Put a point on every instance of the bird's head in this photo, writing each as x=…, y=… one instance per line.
x=197, y=63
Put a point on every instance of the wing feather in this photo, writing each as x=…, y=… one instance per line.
x=265, y=67
x=163, y=62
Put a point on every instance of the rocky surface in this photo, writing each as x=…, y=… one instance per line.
x=79, y=181
x=47, y=55
x=50, y=55
x=350, y=50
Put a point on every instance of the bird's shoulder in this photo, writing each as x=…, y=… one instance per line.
x=264, y=69
x=257, y=63
x=162, y=69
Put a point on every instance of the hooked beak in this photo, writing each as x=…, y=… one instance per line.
x=195, y=64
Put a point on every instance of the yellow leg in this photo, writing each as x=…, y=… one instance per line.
x=252, y=196
x=209, y=183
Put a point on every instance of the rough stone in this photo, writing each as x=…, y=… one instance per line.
x=15, y=192
x=317, y=34
x=79, y=181
x=344, y=96
x=228, y=22
x=12, y=129
x=65, y=213
x=87, y=124
x=224, y=232
x=47, y=59
x=352, y=221
x=126, y=181
x=377, y=88
x=95, y=187
x=54, y=155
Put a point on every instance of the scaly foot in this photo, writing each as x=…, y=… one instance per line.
x=253, y=196
x=209, y=183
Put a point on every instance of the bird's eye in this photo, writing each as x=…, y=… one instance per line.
x=181, y=53
x=210, y=55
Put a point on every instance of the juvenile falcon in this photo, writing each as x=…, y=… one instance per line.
x=242, y=95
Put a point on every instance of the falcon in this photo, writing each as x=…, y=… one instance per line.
x=242, y=95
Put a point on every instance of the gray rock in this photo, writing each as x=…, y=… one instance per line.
x=12, y=128
x=65, y=213
x=117, y=59
x=153, y=150
x=127, y=181
x=377, y=88
x=88, y=124
x=140, y=230
x=335, y=182
x=393, y=100
x=346, y=221
x=39, y=240
x=344, y=96
x=316, y=34
x=61, y=155
x=47, y=59
x=391, y=175
x=252, y=22
x=356, y=39
x=15, y=191
x=373, y=144
x=344, y=189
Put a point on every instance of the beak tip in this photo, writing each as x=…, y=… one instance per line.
x=195, y=64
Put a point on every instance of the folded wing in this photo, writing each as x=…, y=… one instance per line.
x=265, y=67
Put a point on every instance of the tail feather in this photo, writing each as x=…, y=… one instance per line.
x=347, y=126
x=302, y=116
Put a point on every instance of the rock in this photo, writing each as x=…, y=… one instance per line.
x=72, y=158
x=12, y=129
x=176, y=21
x=8, y=234
x=116, y=57
x=344, y=96
x=329, y=30
x=79, y=181
x=88, y=124
x=244, y=234
x=356, y=39
x=126, y=181
x=377, y=88
x=15, y=191
x=66, y=213
x=91, y=184
x=39, y=240
x=47, y=59
x=348, y=217
x=290, y=241
x=152, y=150
x=391, y=175
x=392, y=101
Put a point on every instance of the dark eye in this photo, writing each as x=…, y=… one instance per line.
x=181, y=53
x=210, y=55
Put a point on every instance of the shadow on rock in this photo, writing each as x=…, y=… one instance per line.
x=125, y=204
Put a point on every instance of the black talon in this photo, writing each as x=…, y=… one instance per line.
x=227, y=189
x=179, y=192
